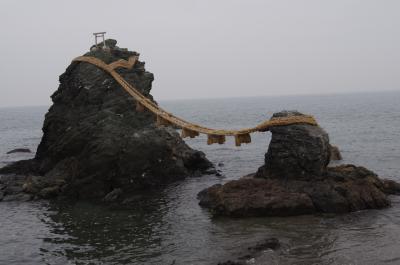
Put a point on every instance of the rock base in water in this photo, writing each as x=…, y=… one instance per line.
x=343, y=189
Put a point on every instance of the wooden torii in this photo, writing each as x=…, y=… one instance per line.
x=99, y=35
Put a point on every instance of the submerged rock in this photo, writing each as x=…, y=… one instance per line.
x=230, y=262
x=113, y=195
x=95, y=142
x=254, y=252
x=295, y=180
x=391, y=187
x=19, y=150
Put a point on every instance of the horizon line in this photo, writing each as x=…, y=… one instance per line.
x=239, y=97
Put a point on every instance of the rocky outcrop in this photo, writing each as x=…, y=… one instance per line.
x=95, y=142
x=335, y=153
x=295, y=179
x=299, y=151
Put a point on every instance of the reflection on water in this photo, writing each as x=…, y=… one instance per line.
x=160, y=231
x=168, y=227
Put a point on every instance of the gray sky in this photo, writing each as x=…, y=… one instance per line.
x=207, y=48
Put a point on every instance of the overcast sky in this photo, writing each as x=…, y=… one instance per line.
x=207, y=48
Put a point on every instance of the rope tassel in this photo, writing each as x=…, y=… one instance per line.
x=242, y=138
x=188, y=133
x=215, y=139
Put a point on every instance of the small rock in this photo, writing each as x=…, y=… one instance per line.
x=19, y=150
x=209, y=171
x=49, y=192
x=270, y=243
x=23, y=197
x=335, y=153
x=232, y=263
x=391, y=187
x=229, y=262
x=250, y=258
x=29, y=187
x=113, y=195
x=132, y=199
x=13, y=189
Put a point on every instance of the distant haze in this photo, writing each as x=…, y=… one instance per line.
x=207, y=48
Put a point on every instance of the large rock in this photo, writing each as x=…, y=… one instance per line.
x=295, y=180
x=298, y=151
x=94, y=141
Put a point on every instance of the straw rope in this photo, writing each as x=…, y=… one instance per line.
x=189, y=129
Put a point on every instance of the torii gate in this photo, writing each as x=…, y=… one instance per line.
x=100, y=35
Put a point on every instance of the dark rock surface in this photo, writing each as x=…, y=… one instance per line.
x=296, y=180
x=95, y=142
x=299, y=151
x=254, y=197
x=19, y=150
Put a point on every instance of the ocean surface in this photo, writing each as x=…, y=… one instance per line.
x=169, y=227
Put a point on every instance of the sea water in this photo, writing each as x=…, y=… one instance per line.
x=168, y=226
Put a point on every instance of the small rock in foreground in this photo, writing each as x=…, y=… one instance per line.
x=19, y=150
x=335, y=153
x=253, y=252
